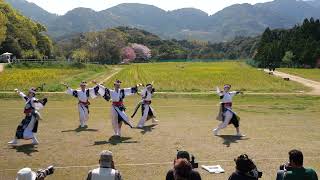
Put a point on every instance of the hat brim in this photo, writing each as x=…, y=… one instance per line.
x=33, y=92
x=33, y=176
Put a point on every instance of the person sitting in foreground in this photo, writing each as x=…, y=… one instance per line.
x=106, y=169
x=294, y=170
x=183, y=169
x=245, y=169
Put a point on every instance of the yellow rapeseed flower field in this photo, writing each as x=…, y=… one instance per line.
x=200, y=77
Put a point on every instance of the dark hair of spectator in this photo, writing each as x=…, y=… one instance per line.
x=182, y=169
x=296, y=156
x=183, y=155
x=244, y=164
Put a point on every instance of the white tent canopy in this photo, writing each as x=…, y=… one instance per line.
x=6, y=54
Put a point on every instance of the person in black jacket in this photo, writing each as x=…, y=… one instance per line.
x=245, y=169
x=183, y=168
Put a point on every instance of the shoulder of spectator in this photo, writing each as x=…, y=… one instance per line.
x=196, y=175
x=89, y=175
x=311, y=171
x=170, y=175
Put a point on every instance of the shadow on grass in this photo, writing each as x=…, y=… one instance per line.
x=79, y=129
x=147, y=129
x=27, y=149
x=231, y=139
x=114, y=140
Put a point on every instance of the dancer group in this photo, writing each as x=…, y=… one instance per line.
x=27, y=129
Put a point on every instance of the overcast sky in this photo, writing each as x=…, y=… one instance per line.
x=209, y=6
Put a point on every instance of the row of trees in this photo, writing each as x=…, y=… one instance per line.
x=296, y=47
x=110, y=46
x=115, y=45
x=21, y=36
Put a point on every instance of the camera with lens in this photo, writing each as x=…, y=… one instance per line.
x=42, y=173
x=193, y=162
x=285, y=167
x=245, y=165
x=186, y=155
x=256, y=174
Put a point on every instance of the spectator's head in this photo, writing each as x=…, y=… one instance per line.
x=296, y=158
x=244, y=164
x=106, y=159
x=183, y=155
x=26, y=174
x=182, y=169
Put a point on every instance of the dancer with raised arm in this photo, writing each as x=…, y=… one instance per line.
x=226, y=114
x=117, y=95
x=28, y=127
x=83, y=95
x=147, y=111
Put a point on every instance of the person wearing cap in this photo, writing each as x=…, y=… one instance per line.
x=26, y=174
x=117, y=96
x=83, y=94
x=182, y=168
x=245, y=169
x=226, y=114
x=147, y=111
x=28, y=127
x=106, y=171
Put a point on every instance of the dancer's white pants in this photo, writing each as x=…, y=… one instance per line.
x=227, y=118
x=145, y=115
x=115, y=112
x=83, y=114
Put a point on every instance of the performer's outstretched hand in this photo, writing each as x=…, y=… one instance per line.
x=65, y=84
x=95, y=82
x=16, y=90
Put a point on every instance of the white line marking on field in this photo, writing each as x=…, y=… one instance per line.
x=161, y=163
x=187, y=93
x=4, y=108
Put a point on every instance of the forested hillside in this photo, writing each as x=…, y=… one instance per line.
x=296, y=47
x=21, y=36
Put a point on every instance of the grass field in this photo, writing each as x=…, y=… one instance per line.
x=26, y=77
x=313, y=74
x=198, y=77
x=273, y=125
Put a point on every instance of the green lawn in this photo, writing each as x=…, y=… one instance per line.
x=273, y=125
x=201, y=77
x=24, y=78
x=313, y=74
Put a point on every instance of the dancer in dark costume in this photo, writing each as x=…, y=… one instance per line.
x=28, y=127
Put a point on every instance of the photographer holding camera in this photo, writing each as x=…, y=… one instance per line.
x=28, y=174
x=294, y=170
x=183, y=168
x=106, y=171
x=245, y=169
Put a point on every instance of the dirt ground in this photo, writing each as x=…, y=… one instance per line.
x=273, y=125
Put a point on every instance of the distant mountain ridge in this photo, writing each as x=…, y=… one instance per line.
x=186, y=23
x=33, y=11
